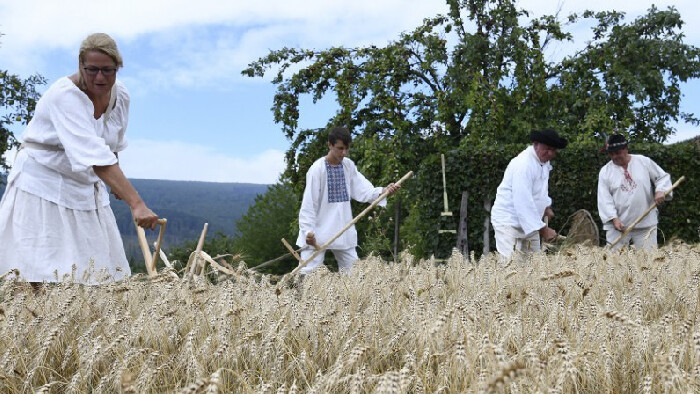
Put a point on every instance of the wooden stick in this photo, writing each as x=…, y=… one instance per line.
x=148, y=259
x=156, y=254
x=347, y=226
x=651, y=208
x=447, y=211
x=291, y=250
x=197, y=251
x=145, y=250
x=270, y=262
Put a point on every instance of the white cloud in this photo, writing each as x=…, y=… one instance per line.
x=176, y=160
x=34, y=27
x=206, y=43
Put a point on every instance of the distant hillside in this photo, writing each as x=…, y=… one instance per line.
x=187, y=205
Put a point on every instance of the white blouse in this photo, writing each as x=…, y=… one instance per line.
x=523, y=194
x=326, y=218
x=64, y=119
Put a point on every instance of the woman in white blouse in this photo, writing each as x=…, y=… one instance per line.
x=55, y=218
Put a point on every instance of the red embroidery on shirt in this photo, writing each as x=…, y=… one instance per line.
x=628, y=184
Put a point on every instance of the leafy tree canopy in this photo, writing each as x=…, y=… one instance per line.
x=18, y=98
x=478, y=74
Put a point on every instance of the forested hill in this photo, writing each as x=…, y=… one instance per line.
x=187, y=205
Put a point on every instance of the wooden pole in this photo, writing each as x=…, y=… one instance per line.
x=347, y=226
x=397, y=229
x=462, y=236
x=270, y=262
x=291, y=250
x=487, y=226
x=149, y=259
x=651, y=208
x=447, y=211
x=200, y=245
x=156, y=254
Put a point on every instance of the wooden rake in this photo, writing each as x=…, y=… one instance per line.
x=198, y=259
x=149, y=259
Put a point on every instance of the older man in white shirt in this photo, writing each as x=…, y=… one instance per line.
x=522, y=198
x=625, y=193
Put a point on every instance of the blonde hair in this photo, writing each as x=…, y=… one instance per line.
x=100, y=42
x=103, y=43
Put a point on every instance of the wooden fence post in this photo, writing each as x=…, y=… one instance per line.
x=397, y=226
x=462, y=235
x=487, y=226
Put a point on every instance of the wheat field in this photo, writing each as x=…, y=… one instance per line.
x=581, y=320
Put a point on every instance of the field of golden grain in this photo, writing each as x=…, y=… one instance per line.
x=577, y=321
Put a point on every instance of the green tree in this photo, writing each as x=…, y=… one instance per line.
x=627, y=77
x=478, y=75
x=272, y=217
x=18, y=98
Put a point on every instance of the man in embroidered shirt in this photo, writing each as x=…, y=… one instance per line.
x=325, y=208
x=625, y=193
x=522, y=198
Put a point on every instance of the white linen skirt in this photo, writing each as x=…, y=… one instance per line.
x=48, y=242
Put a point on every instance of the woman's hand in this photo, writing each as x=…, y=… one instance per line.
x=144, y=217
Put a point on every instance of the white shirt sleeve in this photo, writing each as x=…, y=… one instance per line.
x=660, y=178
x=76, y=130
x=525, y=208
x=361, y=189
x=606, y=203
x=120, y=114
x=310, y=202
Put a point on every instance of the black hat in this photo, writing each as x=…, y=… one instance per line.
x=615, y=143
x=548, y=137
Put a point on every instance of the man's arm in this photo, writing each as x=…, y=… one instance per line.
x=662, y=182
x=524, y=202
x=606, y=204
x=309, y=206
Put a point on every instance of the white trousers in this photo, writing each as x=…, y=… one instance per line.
x=509, y=239
x=345, y=257
x=641, y=238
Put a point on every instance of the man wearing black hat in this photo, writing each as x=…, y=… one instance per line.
x=522, y=198
x=625, y=193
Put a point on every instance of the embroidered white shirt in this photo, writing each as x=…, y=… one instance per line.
x=627, y=196
x=326, y=218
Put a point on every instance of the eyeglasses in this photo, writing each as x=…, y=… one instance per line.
x=106, y=71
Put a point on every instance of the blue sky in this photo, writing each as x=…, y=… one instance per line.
x=193, y=116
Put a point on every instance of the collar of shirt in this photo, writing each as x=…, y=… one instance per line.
x=531, y=148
